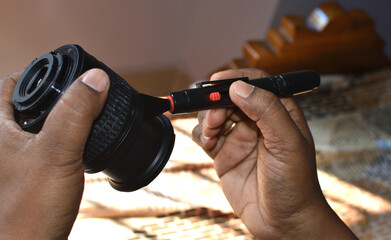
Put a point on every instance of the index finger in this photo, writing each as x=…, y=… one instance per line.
x=298, y=117
x=7, y=85
x=217, y=117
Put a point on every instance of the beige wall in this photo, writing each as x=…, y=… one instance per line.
x=132, y=36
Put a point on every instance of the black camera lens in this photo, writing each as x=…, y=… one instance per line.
x=129, y=146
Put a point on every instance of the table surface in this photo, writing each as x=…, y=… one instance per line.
x=350, y=119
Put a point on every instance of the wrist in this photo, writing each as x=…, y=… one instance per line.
x=318, y=221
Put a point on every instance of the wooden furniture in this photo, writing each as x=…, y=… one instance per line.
x=330, y=40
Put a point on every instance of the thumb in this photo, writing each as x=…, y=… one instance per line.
x=68, y=124
x=279, y=131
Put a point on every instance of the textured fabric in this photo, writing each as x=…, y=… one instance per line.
x=351, y=125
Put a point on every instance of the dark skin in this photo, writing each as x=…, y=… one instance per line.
x=42, y=174
x=266, y=163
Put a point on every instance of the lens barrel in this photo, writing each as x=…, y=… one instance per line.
x=129, y=147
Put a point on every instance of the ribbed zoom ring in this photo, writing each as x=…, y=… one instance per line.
x=109, y=127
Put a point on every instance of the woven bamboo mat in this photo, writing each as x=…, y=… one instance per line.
x=351, y=126
x=351, y=123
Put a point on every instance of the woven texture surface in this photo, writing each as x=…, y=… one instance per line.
x=351, y=124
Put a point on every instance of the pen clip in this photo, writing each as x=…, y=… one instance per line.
x=220, y=82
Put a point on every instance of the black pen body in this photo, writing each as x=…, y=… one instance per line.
x=210, y=95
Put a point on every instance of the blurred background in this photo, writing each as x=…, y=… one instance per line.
x=162, y=46
x=173, y=38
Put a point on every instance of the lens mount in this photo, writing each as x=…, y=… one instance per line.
x=38, y=89
x=129, y=147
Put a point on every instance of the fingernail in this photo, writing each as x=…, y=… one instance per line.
x=96, y=79
x=204, y=139
x=243, y=89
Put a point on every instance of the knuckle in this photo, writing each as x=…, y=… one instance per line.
x=268, y=99
x=11, y=77
x=53, y=148
x=7, y=84
x=71, y=110
x=196, y=131
x=196, y=134
x=275, y=146
x=286, y=148
x=201, y=116
x=252, y=73
x=77, y=104
x=267, y=103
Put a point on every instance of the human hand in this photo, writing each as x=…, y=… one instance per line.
x=41, y=175
x=266, y=163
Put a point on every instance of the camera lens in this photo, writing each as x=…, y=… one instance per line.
x=36, y=80
x=128, y=146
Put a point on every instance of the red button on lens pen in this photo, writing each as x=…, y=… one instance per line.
x=215, y=96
